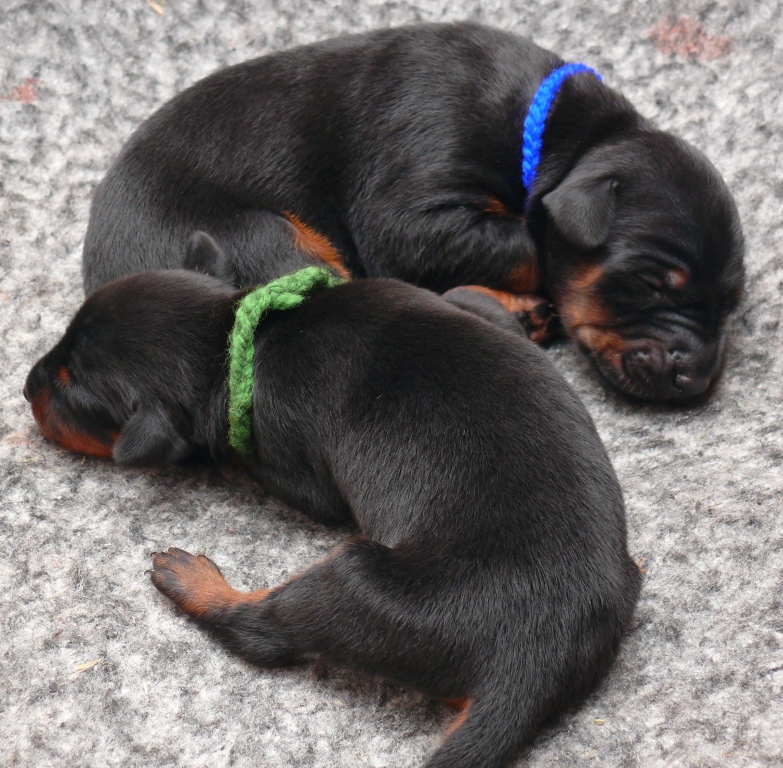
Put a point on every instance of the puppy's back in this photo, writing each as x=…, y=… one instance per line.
x=467, y=458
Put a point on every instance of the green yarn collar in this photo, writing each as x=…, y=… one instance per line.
x=286, y=292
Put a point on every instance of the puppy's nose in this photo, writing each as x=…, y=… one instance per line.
x=692, y=385
x=694, y=367
x=663, y=374
x=645, y=365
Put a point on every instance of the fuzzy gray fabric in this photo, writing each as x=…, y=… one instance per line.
x=99, y=670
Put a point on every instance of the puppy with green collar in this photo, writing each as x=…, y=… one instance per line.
x=489, y=567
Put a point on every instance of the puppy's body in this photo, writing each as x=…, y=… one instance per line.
x=365, y=138
x=397, y=153
x=490, y=564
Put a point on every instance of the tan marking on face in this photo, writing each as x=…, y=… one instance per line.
x=676, y=278
x=316, y=246
x=586, y=277
x=524, y=279
x=81, y=442
x=606, y=344
x=578, y=302
x=68, y=437
x=585, y=316
x=64, y=376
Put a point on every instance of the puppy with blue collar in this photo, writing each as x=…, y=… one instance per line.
x=446, y=155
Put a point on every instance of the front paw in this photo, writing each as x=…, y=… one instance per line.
x=194, y=583
x=197, y=586
x=538, y=317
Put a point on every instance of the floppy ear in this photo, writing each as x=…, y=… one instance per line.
x=203, y=254
x=152, y=437
x=583, y=205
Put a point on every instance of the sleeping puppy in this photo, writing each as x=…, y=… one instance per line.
x=490, y=527
x=397, y=153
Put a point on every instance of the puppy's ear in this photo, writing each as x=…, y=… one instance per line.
x=583, y=205
x=153, y=436
x=203, y=254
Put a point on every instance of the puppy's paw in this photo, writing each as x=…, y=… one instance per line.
x=535, y=314
x=538, y=317
x=194, y=583
x=197, y=586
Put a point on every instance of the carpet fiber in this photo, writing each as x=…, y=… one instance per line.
x=99, y=670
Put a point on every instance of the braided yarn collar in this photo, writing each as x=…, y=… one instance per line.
x=535, y=121
x=286, y=292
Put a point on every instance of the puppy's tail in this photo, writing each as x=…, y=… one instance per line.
x=489, y=731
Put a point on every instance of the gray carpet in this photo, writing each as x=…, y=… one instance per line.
x=99, y=670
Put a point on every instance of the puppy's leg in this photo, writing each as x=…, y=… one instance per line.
x=527, y=314
x=341, y=608
x=256, y=246
x=375, y=609
x=441, y=244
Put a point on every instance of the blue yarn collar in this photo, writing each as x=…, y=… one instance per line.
x=535, y=121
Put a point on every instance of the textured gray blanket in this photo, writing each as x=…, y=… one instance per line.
x=99, y=670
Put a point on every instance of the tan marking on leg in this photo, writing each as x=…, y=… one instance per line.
x=196, y=584
x=512, y=302
x=524, y=279
x=338, y=550
x=497, y=207
x=316, y=246
x=460, y=719
x=456, y=704
x=538, y=316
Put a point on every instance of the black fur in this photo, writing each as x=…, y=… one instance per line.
x=402, y=147
x=490, y=562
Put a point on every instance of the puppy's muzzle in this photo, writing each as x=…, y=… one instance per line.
x=674, y=370
x=55, y=420
x=36, y=380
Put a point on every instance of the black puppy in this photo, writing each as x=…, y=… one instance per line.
x=397, y=153
x=490, y=567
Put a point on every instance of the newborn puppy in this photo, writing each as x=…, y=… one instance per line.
x=397, y=154
x=490, y=567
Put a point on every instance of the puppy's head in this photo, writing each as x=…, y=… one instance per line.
x=645, y=253
x=130, y=378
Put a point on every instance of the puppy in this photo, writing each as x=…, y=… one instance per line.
x=489, y=568
x=397, y=154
